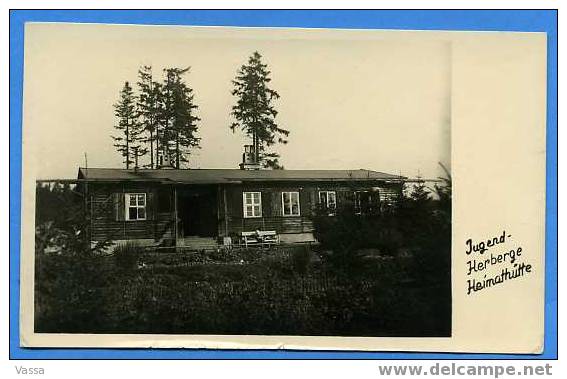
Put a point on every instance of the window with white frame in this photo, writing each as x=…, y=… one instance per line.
x=252, y=204
x=328, y=201
x=135, y=206
x=290, y=203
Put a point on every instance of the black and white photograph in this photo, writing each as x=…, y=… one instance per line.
x=235, y=181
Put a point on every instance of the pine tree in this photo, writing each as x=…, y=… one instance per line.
x=161, y=121
x=254, y=110
x=419, y=193
x=419, y=209
x=184, y=125
x=177, y=120
x=128, y=142
x=147, y=107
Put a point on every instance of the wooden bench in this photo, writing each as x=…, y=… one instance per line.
x=260, y=237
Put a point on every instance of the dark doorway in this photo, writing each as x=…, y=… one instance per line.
x=197, y=212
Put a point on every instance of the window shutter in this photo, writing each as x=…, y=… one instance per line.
x=304, y=201
x=119, y=206
x=345, y=199
x=376, y=198
x=313, y=199
x=266, y=204
x=276, y=204
x=150, y=206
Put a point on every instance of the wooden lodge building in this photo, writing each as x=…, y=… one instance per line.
x=202, y=208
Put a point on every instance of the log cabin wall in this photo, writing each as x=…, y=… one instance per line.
x=231, y=213
x=272, y=215
x=107, y=207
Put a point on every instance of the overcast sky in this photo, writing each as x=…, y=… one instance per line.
x=350, y=99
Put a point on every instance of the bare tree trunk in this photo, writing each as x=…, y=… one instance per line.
x=151, y=150
x=177, y=150
x=255, y=143
x=255, y=147
x=157, y=145
x=152, y=121
x=127, y=145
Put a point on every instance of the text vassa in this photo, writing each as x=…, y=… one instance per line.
x=21, y=370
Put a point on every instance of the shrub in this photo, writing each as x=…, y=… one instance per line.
x=70, y=274
x=69, y=293
x=301, y=259
x=127, y=255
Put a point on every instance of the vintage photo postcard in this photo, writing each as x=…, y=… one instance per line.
x=273, y=188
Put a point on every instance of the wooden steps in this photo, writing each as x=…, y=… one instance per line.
x=198, y=243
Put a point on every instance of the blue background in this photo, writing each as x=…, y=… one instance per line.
x=499, y=20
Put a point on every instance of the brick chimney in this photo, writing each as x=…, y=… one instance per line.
x=164, y=161
x=249, y=159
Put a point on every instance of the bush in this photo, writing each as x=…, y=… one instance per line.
x=71, y=294
x=127, y=255
x=71, y=276
x=301, y=259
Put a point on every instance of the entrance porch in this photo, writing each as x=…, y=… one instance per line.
x=197, y=216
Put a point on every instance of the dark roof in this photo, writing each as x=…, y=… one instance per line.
x=212, y=176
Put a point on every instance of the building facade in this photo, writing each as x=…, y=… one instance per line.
x=205, y=207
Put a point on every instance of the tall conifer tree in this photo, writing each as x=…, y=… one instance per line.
x=177, y=117
x=129, y=140
x=147, y=108
x=254, y=110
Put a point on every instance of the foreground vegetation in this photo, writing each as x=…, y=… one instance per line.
x=384, y=273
